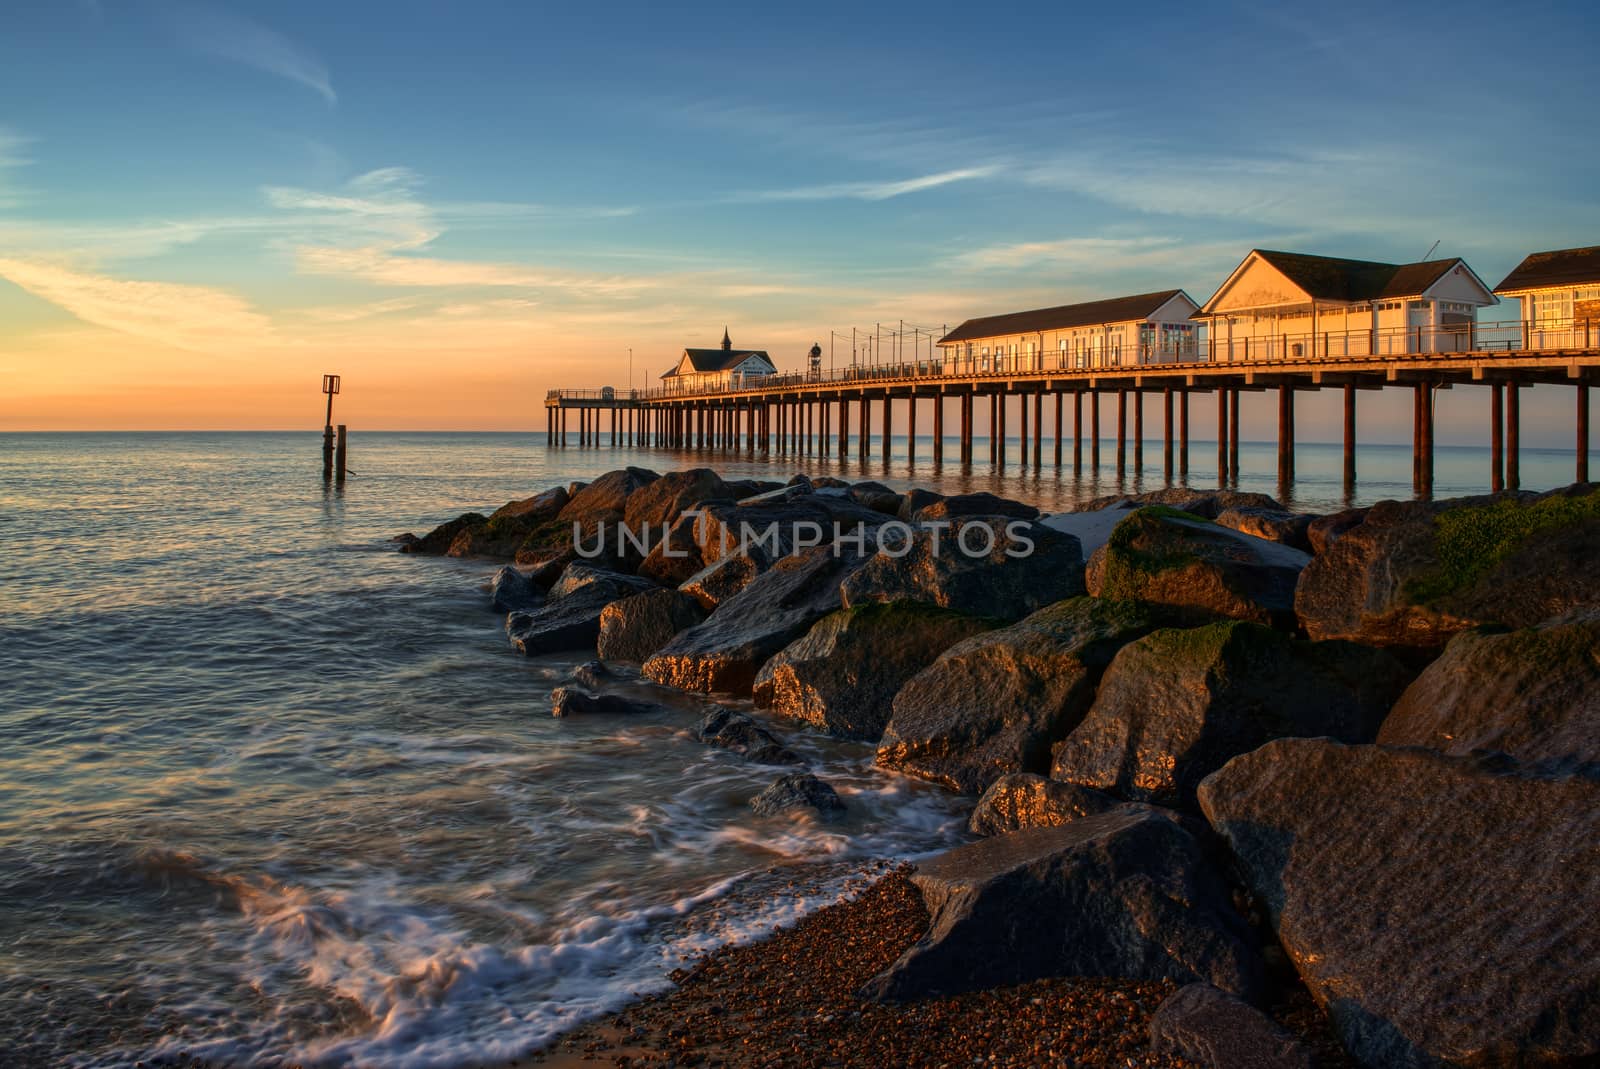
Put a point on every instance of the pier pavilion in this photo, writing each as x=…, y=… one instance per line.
x=1149, y=328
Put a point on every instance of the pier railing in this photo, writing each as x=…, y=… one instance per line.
x=1308, y=347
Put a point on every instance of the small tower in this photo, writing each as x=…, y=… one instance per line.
x=727, y=342
x=816, y=361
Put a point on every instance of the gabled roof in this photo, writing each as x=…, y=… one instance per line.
x=1561, y=267
x=1115, y=310
x=1331, y=278
x=704, y=361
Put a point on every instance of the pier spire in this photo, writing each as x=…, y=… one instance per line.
x=727, y=342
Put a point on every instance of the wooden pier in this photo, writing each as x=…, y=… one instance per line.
x=812, y=415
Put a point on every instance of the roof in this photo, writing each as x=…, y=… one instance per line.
x=1114, y=310
x=1562, y=267
x=704, y=361
x=1333, y=279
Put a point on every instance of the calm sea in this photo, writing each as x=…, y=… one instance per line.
x=272, y=793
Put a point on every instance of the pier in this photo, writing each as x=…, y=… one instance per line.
x=828, y=414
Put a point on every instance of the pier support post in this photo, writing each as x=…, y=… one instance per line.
x=1058, y=430
x=1285, y=434
x=1166, y=435
x=844, y=428
x=1497, y=441
x=1122, y=434
x=1349, y=438
x=864, y=432
x=1004, y=428
x=1094, y=431
x=1077, y=431
x=1138, y=434
x=938, y=429
x=911, y=428
x=1038, y=426
x=994, y=422
x=1233, y=436
x=1183, y=435
x=966, y=428
x=888, y=424
x=1222, y=436
x=1583, y=433
x=1022, y=424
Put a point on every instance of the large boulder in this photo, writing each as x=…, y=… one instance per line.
x=913, y=501
x=1216, y=1030
x=729, y=729
x=635, y=627
x=1289, y=528
x=1416, y=573
x=976, y=504
x=717, y=582
x=675, y=556
x=798, y=790
x=439, y=540
x=1324, y=531
x=1173, y=558
x=1533, y=693
x=1176, y=705
x=1442, y=910
x=514, y=591
x=843, y=674
x=570, y=619
x=606, y=497
x=877, y=497
x=539, y=507
x=983, y=565
x=780, y=524
x=592, y=522
x=657, y=505
x=1126, y=893
x=995, y=703
x=775, y=608
x=1021, y=800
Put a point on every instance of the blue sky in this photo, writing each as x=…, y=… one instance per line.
x=201, y=205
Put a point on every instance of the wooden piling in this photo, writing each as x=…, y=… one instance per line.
x=1166, y=434
x=1022, y=424
x=864, y=432
x=1001, y=435
x=1285, y=434
x=911, y=428
x=1077, y=431
x=1122, y=434
x=1233, y=435
x=938, y=428
x=994, y=422
x=1183, y=435
x=340, y=453
x=1058, y=430
x=1138, y=433
x=888, y=425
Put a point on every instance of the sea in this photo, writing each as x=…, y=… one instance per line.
x=273, y=794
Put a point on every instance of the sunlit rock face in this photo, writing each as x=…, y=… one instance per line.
x=1175, y=705
x=1443, y=910
x=636, y=626
x=982, y=565
x=842, y=675
x=724, y=653
x=1125, y=893
x=570, y=619
x=997, y=702
x=1533, y=693
x=1021, y=800
x=1197, y=568
x=1417, y=573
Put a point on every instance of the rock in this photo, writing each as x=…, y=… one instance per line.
x=877, y=497
x=1091, y=529
x=657, y=505
x=1021, y=800
x=1442, y=910
x=777, y=527
x=592, y=522
x=1160, y=555
x=1126, y=893
x=574, y=487
x=740, y=733
x=716, y=583
x=1215, y=1030
x=570, y=701
x=439, y=540
x=979, y=504
x=842, y=675
x=745, y=488
x=674, y=559
x=593, y=675
x=985, y=566
x=914, y=501
x=547, y=574
x=607, y=496
x=1176, y=705
x=570, y=620
x=1416, y=573
x=995, y=703
x=1534, y=694
x=1207, y=504
x=636, y=626
x=798, y=790
x=1287, y=528
x=539, y=507
x=512, y=591
x=1326, y=530
x=775, y=608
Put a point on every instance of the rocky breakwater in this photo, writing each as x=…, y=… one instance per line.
x=1210, y=742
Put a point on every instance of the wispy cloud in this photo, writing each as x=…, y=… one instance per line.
x=12, y=155
x=196, y=318
x=869, y=190
x=233, y=37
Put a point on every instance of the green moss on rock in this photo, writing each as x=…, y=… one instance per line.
x=1469, y=542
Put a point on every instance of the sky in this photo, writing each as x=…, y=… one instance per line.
x=458, y=206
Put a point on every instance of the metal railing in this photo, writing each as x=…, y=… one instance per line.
x=1487, y=338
